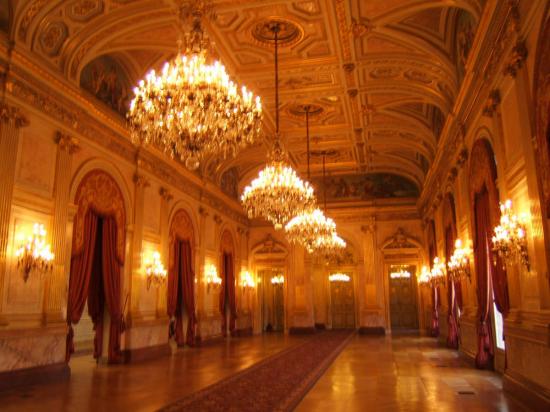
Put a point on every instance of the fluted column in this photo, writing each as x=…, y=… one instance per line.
x=55, y=286
x=373, y=293
x=165, y=199
x=140, y=184
x=11, y=122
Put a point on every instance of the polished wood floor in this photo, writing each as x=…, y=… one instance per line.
x=377, y=374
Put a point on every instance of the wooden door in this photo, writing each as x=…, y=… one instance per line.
x=403, y=309
x=342, y=305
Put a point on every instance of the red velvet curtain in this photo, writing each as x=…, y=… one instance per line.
x=98, y=256
x=111, y=287
x=79, y=279
x=228, y=281
x=187, y=279
x=181, y=285
x=482, y=249
x=452, y=320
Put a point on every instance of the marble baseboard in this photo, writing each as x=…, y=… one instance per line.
x=32, y=376
x=30, y=348
x=146, y=334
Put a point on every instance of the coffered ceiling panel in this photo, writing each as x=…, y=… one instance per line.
x=384, y=74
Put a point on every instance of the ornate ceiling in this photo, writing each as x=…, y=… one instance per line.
x=385, y=73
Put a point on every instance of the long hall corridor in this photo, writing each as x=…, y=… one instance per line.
x=406, y=373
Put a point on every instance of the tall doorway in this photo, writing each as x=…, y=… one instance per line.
x=403, y=303
x=342, y=302
x=273, y=304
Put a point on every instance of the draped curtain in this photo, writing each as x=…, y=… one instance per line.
x=95, y=276
x=181, y=283
x=452, y=320
x=485, y=350
x=228, y=281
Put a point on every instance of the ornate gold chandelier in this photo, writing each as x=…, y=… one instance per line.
x=329, y=246
x=277, y=193
x=192, y=108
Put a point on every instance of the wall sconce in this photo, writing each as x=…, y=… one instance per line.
x=438, y=272
x=247, y=281
x=154, y=269
x=425, y=276
x=211, y=277
x=509, y=239
x=400, y=273
x=459, y=264
x=35, y=254
x=338, y=277
x=278, y=280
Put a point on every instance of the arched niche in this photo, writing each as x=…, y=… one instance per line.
x=99, y=191
x=181, y=228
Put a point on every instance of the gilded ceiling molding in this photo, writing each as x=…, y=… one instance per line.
x=13, y=114
x=165, y=194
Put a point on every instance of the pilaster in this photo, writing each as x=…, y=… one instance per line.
x=11, y=122
x=55, y=284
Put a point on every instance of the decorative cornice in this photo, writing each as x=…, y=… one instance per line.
x=12, y=114
x=67, y=142
x=165, y=194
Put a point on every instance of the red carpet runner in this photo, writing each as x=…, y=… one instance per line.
x=274, y=384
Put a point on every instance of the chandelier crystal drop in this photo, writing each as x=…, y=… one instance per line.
x=35, y=254
x=509, y=238
x=278, y=193
x=308, y=226
x=192, y=108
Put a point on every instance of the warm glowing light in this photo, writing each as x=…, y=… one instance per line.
x=400, y=273
x=458, y=266
x=331, y=245
x=338, y=277
x=154, y=269
x=278, y=279
x=247, y=281
x=35, y=254
x=277, y=194
x=211, y=276
x=509, y=238
x=425, y=276
x=192, y=108
x=308, y=226
x=438, y=271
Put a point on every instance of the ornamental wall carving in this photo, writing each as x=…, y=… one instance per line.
x=99, y=192
x=181, y=228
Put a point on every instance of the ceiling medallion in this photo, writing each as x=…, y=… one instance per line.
x=192, y=108
x=290, y=33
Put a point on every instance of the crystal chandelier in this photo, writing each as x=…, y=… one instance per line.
x=154, y=269
x=35, y=254
x=247, y=281
x=192, y=108
x=509, y=240
x=277, y=193
x=458, y=266
x=338, y=277
x=400, y=273
x=329, y=246
x=311, y=224
x=307, y=227
x=278, y=280
x=425, y=276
